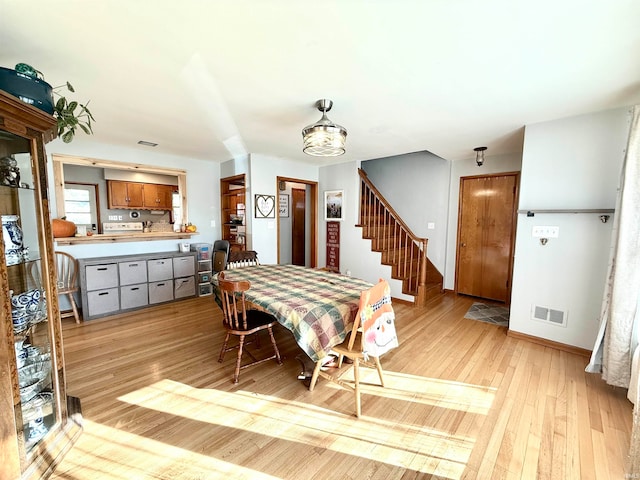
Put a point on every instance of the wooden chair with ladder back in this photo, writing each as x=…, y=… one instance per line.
x=243, y=322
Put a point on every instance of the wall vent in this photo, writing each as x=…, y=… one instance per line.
x=549, y=315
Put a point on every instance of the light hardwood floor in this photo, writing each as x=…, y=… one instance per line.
x=463, y=401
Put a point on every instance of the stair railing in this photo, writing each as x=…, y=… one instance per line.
x=389, y=234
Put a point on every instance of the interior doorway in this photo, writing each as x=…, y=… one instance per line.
x=486, y=235
x=297, y=221
x=298, y=226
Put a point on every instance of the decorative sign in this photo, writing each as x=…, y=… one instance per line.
x=283, y=205
x=265, y=206
x=333, y=246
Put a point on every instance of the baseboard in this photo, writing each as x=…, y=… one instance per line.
x=550, y=343
x=400, y=300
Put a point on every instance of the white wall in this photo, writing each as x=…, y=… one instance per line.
x=203, y=190
x=572, y=163
x=467, y=168
x=264, y=170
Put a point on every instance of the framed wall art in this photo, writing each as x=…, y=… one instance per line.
x=333, y=205
x=283, y=205
x=265, y=206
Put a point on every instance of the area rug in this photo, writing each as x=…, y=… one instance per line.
x=489, y=313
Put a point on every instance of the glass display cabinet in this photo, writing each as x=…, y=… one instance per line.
x=38, y=422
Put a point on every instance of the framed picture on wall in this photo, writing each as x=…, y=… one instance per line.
x=333, y=205
x=283, y=205
x=265, y=206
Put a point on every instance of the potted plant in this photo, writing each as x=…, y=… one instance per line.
x=27, y=83
x=68, y=119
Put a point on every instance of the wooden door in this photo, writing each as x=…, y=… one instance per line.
x=486, y=234
x=298, y=243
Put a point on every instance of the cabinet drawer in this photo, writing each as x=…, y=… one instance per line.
x=204, y=277
x=101, y=276
x=133, y=296
x=205, y=289
x=160, y=269
x=161, y=291
x=204, y=265
x=103, y=301
x=132, y=273
x=184, y=266
x=184, y=287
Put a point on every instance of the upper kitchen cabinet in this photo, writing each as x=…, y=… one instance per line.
x=38, y=422
x=146, y=196
x=125, y=194
x=158, y=197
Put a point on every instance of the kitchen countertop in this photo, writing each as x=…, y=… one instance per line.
x=123, y=237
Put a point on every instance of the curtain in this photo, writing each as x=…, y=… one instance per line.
x=613, y=349
x=616, y=353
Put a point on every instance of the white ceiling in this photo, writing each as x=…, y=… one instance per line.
x=204, y=78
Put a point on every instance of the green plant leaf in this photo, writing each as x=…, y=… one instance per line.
x=67, y=137
x=70, y=87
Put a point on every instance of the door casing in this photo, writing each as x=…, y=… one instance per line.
x=484, y=266
x=312, y=212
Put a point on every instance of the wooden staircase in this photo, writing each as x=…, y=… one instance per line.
x=400, y=247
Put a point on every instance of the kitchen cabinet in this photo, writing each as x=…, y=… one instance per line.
x=233, y=211
x=38, y=421
x=124, y=194
x=158, y=197
x=144, y=196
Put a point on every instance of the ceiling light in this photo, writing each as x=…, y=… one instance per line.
x=324, y=138
x=479, y=155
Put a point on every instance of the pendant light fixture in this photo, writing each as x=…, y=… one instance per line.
x=479, y=155
x=324, y=138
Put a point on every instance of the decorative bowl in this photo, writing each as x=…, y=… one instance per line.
x=32, y=379
x=29, y=300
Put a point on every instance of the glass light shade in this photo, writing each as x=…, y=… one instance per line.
x=480, y=155
x=324, y=138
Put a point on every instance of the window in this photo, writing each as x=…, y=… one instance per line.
x=80, y=205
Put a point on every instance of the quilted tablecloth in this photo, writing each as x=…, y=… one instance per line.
x=317, y=306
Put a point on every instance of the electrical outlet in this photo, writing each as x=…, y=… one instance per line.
x=431, y=225
x=540, y=231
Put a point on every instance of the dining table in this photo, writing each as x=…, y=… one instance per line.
x=317, y=306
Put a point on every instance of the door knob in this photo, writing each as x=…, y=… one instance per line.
x=462, y=244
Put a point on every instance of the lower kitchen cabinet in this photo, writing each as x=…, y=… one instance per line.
x=111, y=285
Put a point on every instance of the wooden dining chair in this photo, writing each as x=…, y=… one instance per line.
x=67, y=274
x=373, y=334
x=242, y=322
